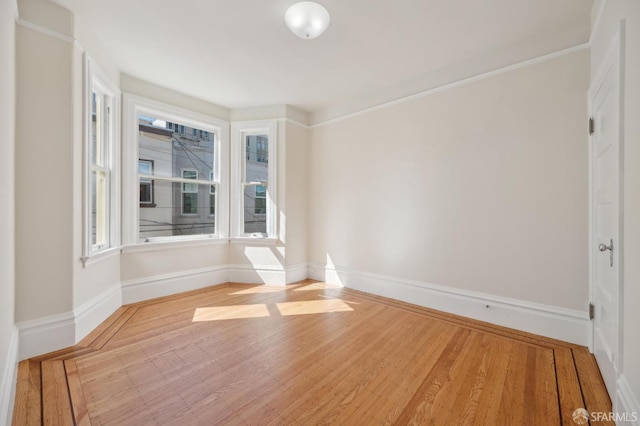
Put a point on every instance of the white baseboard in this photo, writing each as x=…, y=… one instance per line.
x=8, y=380
x=628, y=403
x=545, y=320
x=295, y=273
x=250, y=274
x=167, y=284
x=270, y=275
x=43, y=335
x=47, y=334
x=91, y=314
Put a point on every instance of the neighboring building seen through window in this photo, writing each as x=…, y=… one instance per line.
x=255, y=184
x=170, y=155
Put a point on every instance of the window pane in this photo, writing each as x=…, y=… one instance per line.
x=257, y=155
x=98, y=208
x=98, y=153
x=93, y=208
x=254, y=222
x=172, y=151
x=171, y=216
x=94, y=135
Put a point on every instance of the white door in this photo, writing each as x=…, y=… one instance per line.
x=605, y=99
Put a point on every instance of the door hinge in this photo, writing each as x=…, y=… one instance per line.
x=592, y=311
x=591, y=126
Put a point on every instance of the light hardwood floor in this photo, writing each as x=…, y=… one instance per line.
x=304, y=354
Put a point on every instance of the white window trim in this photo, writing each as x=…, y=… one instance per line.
x=93, y=76
x=214, y=193
x=133, y=106
x=239, y=131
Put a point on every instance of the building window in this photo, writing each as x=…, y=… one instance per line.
x=253, y=179
x=145, y=170
x=190, y=193
x=174, y=162
x=101, y=174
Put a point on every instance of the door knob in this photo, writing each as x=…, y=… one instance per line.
x=604, y=247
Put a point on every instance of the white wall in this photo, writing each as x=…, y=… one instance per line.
x=606, y=26
x=480, y=187
x=8, y=14
x=296, y=192
x=44, y=175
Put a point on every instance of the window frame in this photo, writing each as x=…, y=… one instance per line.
x=134, y=106
x=95, y=80
x=213, y=189
x=239, y=132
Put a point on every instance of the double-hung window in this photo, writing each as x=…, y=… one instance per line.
x=100, y=159
x=254, y=181
x=177, y=159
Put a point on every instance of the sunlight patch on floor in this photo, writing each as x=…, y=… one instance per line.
x=216, y=313
x=313, y=307
x=262, y=289
x=318, y=286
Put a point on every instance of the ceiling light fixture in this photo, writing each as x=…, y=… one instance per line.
x=307, y=19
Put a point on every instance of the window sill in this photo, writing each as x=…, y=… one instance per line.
x=156, y=245
x=99, y=256
x=256, y=241
x=147, y=205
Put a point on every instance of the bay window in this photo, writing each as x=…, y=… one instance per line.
x=185, y=180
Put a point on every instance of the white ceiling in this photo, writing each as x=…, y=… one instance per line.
x=239, y=53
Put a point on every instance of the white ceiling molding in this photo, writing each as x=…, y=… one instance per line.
x=596, y=16
x=339, y=116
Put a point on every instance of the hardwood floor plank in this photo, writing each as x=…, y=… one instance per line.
x=21, y=407
x=595, y=395
x=34, y=398
x=78, y=403
x=568, y=385
x=420, y=407
x=56, y=408
x=489, y=402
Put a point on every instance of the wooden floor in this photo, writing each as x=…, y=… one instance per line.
x=305, y=354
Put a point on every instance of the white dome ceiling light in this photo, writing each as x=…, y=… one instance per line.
x=307, y=19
